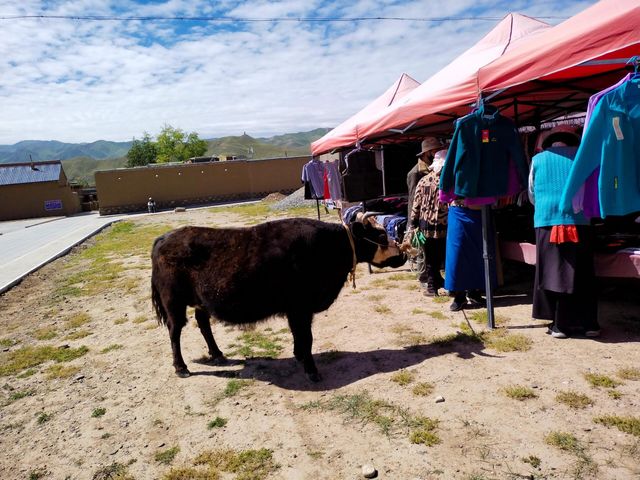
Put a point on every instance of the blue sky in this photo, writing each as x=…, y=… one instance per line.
x=80, y=80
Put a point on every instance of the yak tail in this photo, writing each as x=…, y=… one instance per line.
x=161, y=313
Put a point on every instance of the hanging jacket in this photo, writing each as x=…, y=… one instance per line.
x=586, y=199
x=313, y=173
x=477, y=163
x=612, y=143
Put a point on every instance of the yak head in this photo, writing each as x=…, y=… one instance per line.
x=374, y=246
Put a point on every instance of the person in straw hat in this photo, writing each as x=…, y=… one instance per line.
x=428, y=149
x=429, y=217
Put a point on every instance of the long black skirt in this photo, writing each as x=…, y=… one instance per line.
x=564, y=289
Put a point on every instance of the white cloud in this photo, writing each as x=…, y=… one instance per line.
x=74, y=80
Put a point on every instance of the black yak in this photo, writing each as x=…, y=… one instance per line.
x=294, y=267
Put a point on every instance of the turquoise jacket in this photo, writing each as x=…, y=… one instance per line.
x=549, y=171
x=612, y=143
x=477, y=163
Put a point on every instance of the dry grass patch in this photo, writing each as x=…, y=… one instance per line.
x=114, y=471
x=110, y=348
x=437, y=315
x=45, y=333
x=78, y=335
x=597, y=380
x=257, y=344
x=120, y=321
x=140, y=319
x=27, y=357
x=375, y=297
x=418, y=311
x=503, y=341
x=564, y=441
x=441, y=299
x=574, y=399
x=98, y=412
x=630, y=425
x=191, y=473
x=61, y=371
x=381, y=283
x=389, y=418
x=615, y=394
x=519, y=392
x=217, y=422
x=629, y=373
x=407, y=337
x=584, y=466
x=15, y=396
x=166, y=456
x=382, y=309
x=403, y=377
x=423, y=431
x=233, y=388
x=423, y=389
x=481, y=317
x=77, y=320
x=406, y=276
x=96, y=268
x=43, y=417
x=245, y=464
x=247, y=210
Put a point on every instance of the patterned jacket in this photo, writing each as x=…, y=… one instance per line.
x=428, y=213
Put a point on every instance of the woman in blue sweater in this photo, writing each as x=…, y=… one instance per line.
x=564, y=286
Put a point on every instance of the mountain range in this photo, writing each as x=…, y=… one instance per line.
x=81, y=160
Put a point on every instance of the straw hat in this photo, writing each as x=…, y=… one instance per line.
x=428, y=144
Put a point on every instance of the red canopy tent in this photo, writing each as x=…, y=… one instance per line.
x=587, y=46
x=447, y=94
x=543, y=76
x=347, y=132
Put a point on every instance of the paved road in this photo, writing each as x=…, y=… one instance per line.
x=27, y=245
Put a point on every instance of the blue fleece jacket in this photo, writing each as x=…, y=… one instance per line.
x=611, y=142
x=477, y=163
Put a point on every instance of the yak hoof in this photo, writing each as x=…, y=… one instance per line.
x=184, y=373
x=219, y=360
x=314, y=377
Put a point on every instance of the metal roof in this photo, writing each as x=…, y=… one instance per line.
x=18, y=173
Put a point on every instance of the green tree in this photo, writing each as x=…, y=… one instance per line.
x=142, y=152
x=173, y=145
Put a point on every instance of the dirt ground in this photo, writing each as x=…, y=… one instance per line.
x=386, y=353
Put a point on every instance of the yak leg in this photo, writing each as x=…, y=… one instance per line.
x=202, y=317
x=177, y=318
x=300, y=325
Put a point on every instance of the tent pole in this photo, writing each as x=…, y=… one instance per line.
x=488, y=264
x=384, y=182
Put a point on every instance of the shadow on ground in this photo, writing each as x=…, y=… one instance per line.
x=339, y=368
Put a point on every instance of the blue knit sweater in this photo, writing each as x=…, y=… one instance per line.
x=549, y=173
